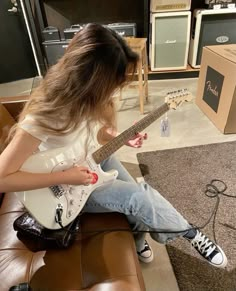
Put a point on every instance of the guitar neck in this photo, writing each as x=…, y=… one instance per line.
x=105, y=151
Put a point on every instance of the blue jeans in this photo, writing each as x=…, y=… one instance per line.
x=144, y=207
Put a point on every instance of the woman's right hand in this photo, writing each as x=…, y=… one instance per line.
x=78, y=175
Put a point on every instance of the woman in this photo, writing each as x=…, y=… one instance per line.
x=74, y=102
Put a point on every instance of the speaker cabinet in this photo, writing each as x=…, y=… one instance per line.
x=169, y=40
x=169, y=5
x=211, y=27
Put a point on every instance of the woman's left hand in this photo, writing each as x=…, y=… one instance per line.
x=137, y=140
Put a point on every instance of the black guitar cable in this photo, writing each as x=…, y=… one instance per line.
x=214, y=190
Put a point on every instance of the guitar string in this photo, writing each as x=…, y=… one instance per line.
x=118, y=141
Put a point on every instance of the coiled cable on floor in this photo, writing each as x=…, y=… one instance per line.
x=213, y=190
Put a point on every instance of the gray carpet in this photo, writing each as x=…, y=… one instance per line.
x=181, y=175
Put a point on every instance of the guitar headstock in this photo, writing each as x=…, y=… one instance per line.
x=176, y=98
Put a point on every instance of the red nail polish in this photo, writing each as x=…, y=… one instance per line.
x=95, y=178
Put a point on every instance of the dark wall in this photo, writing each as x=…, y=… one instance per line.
x=63, y=14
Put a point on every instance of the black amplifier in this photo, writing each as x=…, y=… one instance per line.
x=124, y=29
x=51, y=33
x=54, y=50
x=71, y=31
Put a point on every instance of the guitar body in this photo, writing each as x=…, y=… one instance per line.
x=70, y=199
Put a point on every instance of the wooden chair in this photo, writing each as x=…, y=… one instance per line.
x=139, y=46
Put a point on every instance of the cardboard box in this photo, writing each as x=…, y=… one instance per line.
x=216, y=92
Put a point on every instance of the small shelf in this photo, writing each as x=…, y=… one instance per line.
x=189, y=69
x=174, y=74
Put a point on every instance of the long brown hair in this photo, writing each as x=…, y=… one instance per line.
x=80, y=86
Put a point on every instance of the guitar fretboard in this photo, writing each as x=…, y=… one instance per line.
x=105, y=151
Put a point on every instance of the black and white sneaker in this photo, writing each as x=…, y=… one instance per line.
x=146, y=254
x=209, y=250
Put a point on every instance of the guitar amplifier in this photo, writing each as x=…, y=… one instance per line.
x=169, y=40
x=124, y=29
x=51, y=33
x=71, y=31
x=211, y=27
x=54, y=50
x=169, y=5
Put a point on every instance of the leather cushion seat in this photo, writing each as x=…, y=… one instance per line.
x=97, y=260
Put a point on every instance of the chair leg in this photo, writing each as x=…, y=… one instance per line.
x=145, y=68
x=140, y=84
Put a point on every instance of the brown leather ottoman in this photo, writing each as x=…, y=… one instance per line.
x=97, y=261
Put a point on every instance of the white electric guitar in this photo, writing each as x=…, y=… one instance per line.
x=59, y=205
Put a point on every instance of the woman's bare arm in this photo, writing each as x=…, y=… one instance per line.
x=19, y=149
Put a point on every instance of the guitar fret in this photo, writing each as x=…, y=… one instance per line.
x=105, y=151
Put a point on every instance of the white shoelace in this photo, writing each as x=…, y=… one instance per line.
x=203, y=244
